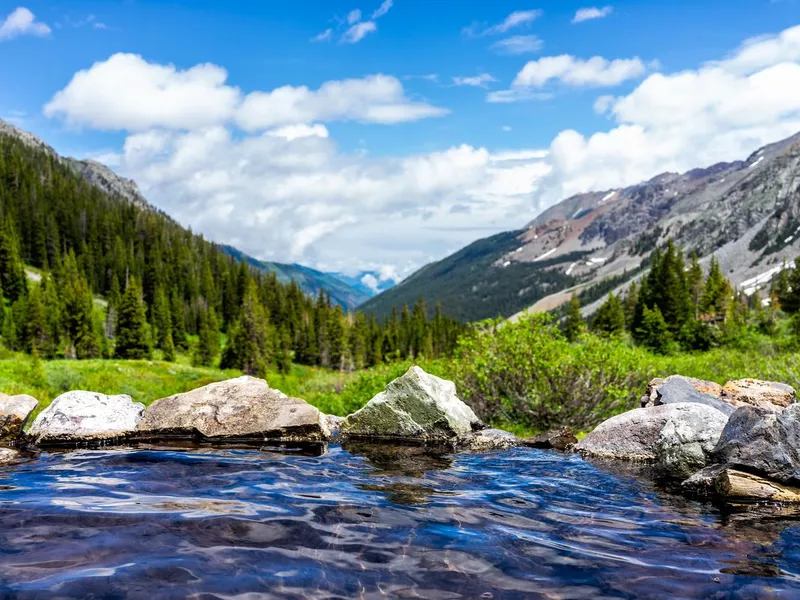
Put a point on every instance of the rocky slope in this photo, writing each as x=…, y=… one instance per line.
x=746, y=213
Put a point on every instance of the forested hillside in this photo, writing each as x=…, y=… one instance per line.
x=113, y=278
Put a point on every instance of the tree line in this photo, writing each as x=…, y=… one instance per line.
x=86, y=275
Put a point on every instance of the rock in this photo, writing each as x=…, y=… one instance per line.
x=416, y=406
x=241, y=408
x=559, y=439
x=79, y=416
x=8, y=455
x=489, y=439
x=334, y=424
x=633, y=435
x=14, y=413
x=677, y=389
x=728, y=484
x=767, y=394
x=687, y=440
x=762, y=441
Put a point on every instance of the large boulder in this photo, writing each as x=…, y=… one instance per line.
x=762, y=441
x=677, y=389
x=559, y=439
x=416, y=406
x=766, y=394
x=79, y=416
x=687, y=440
x=14, y=413
x=634, y=435
x=244, y=408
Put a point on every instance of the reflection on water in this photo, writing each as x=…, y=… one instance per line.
x=374, y=522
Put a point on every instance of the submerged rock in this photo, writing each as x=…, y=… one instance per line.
x=725, y=483
x=80, y=416
x=677, y=389
x=766, y=394
x=763, y=441
x=241, y=408
x=559, y=439
x=634, y=435
x=687, y=439
x=489, y=439
x=14, y=413
x=416, y=406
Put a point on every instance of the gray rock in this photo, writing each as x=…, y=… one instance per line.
x=687, y=439
x=241, y=408
x=80, y=416
x=559, y=439
x=14, y=413
x=703, y=482
x=767, y=394
x=633, y=435
x=762, y=441
x=677, y=389
x=334, y=423
x=8, y=455
x=416, y=406
x=720, y=481
x=490, y=439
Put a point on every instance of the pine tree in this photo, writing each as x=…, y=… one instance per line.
x=631, y=299
x=654, y=332
x=208, y=339
x=283, y=354
x=36, y=333
x=717, y=293
x=162, y=320
x=78, y=304
x=249, y=343
x=178, y=320
x=694, y=280
x=132, y=335
x=12, y=272
x=574, y=325
x=609, y=319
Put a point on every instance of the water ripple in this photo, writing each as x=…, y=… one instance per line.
x=374, y=522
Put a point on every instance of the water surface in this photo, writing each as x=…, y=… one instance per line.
x=373, y=523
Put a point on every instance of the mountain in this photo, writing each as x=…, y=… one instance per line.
x=375, y=287
x=310, y=280
x=108, y=182
x=746, y=213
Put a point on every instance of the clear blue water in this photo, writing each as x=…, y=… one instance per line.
x=242, y=523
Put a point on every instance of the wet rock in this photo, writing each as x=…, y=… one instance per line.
x=763, y=441
x=14, y=413
x=490, y=439
x=334, y=424
x=558, y=439
x=80, y=416
x=416, y=406
x=633, y=435
x=766, y=394
x=677, y=389
x=7, y=455
x=241, y=408
x=722, y=482
x=687, y=440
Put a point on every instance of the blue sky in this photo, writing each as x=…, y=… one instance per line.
x=463, y=164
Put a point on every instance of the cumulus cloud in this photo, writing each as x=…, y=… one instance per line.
x=518, y=44
x=720, y=111
x=22, y=22
x=588, y=14
x=519, y=18
x=483, y=80
x=125, y=92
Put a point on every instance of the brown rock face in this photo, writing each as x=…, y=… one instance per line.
x=560, y=439
x=14, y=413
x=242, y=408
x=766, y=394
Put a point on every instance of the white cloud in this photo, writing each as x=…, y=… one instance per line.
x=720, y=111
x=293, y=132
x=22, y=22
x=483, y=80
x=587, y=14
x=516, y=19
x=325, y=36
x=594, y=72
x=382, y=9
x=354, y=16
x=602, y=104
x=127, y=93
x=358, y=32
x=371, y=282
x=518, y=44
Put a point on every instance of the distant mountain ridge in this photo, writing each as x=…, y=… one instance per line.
x=746, y=213
x=102, y=177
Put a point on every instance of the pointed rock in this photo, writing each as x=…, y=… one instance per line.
x=14, y=413
x=241, y=408
x=416, y=406
x=80, y=416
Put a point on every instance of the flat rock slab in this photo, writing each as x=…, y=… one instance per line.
x=731, y=485
x=677, y=389
x=14, y=413
x=241, y=408
x=80, y=416
x=416, y=406
x=559, y=439
x=753, y=392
